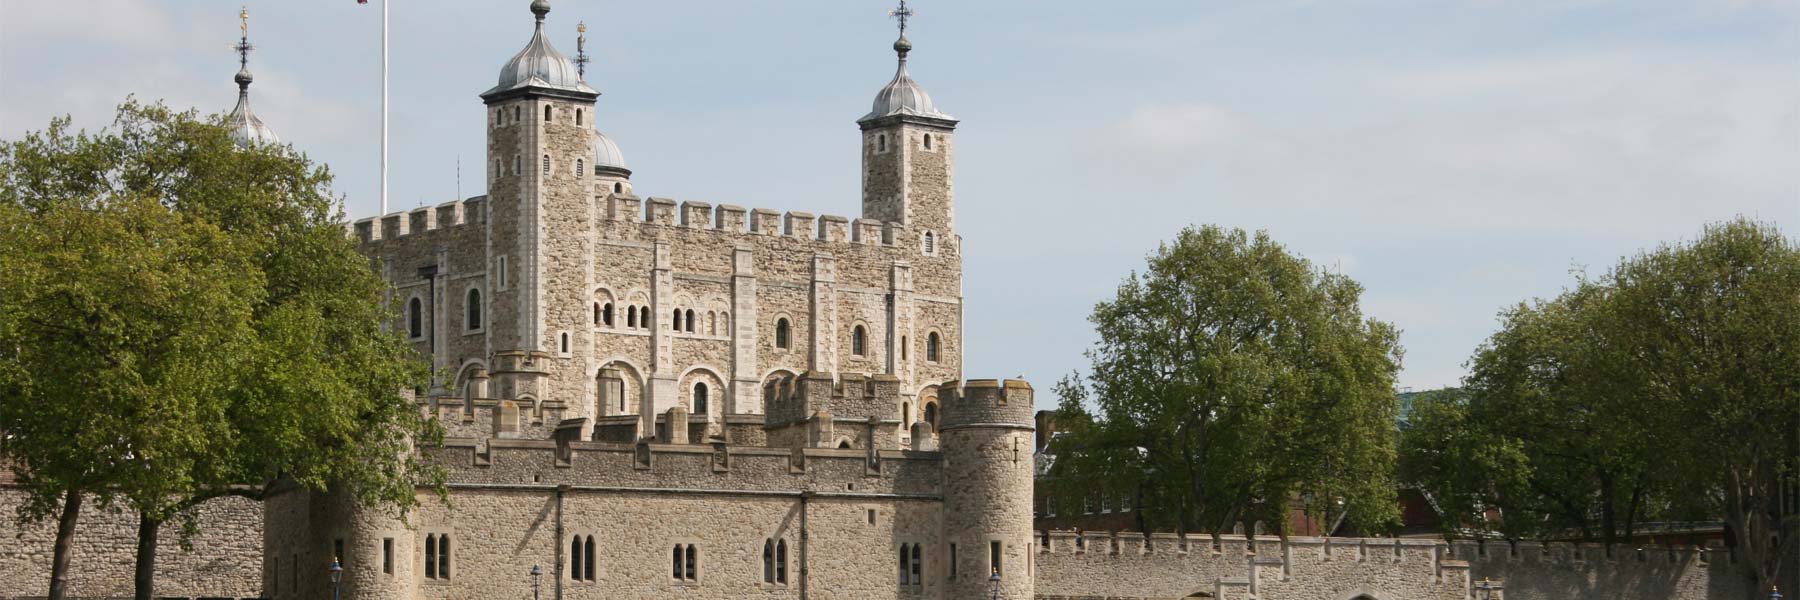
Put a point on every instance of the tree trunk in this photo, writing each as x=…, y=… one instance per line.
x=65, y=536
x=144, y=579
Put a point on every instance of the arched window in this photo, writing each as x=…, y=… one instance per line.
x=768, y=561
x=431, y=557
x=580, y=168
x=690, y=320
x=676, y=320
x=606, y=315
x=631, y=317
x=686, y=560
x=724, y=323
x=781, y=334
x=931, y=347
x=931, y=414
x=712, y=323
x=905, y=564
x=444, y=556
x=565, y=342
x=845, y=445
x=676, y=555
x=415, y=318
x=858, y=341
x=472, y=311
x=596, y=313
x=881, y=143
x=546, y=113
x=618, y=187
x=781, y=561
x=917, y=565
x=700, y=399
x=577, y=116
x=930, y=243
x=515, y=114
x=590, y=559
x=575, y=565
x=546, y=164
x=927, y=141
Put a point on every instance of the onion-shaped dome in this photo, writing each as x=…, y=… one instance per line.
x=903, y=96
x=246, y=128
x=540, y=65
x=607, y=157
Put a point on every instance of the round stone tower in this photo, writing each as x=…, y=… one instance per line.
x=986, y=444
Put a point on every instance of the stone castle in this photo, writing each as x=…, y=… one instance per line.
x=653, y=399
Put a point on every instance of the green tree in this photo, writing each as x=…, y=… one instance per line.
x=313, y=392
x=1668, y=388
x=1234, y=381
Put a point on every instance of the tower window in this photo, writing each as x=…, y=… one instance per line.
x=927, y=141
x=858, y=341
x=881, y=143
x=515, y=114
x=577, y=116
x=994, y=557
x=903, y=349
x=473, y=311
x=618, y=188
x=500, y=267
x=516, y=165
x=546, y=113
x=700, y=399
x=415, y=318
x=675, y=320
x=631, y=317
x=690, y=320
x=931, y=347
x=580, y=168
x=781, y=334
x=930, y=243
x=546, y=164
x=565, y=342
x=581, y=558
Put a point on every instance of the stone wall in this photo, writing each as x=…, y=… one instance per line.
x=1131, y=566
x=224, y=559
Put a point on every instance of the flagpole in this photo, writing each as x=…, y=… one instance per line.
x=384, y=107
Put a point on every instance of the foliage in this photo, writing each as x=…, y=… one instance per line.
x=1669, y=388
x=1232, y=382
x=193, y=315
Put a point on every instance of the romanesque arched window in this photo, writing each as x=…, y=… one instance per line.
x=781, y=334
x=931, y=347
x=415, y=318
x=700, y=398
x=631, y=317
x=927, y=141
x=618, y=187
x=581, y=558
x=881, y=143
x=472, y=311
x=712, y=323
x=690, y=320
x=905, y=564
x=859, y=341
x=675, y=320
x=930, y=243
x=931, y=414
x=577, y=116
x=725, y=323
x=546, y=113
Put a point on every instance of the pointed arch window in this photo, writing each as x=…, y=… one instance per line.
x=768, y=561
x=782, y=334
x=859, y=341
x=472, y=311
x=781, y=561
x=415, y=318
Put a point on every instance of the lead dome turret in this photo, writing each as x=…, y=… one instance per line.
x=539, y=65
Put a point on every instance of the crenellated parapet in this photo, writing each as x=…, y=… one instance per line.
x=420, y=221
x=1165, y=565
x=733, y=219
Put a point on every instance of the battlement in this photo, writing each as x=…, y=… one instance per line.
x=985, y=402
x=1110, y=564
x=717, y=466
x=422, y=220
x=665, y=212
x=849, y=396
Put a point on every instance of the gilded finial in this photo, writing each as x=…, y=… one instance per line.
x=581, y=56
x=243, y=47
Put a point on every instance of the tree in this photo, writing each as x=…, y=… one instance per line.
x=312, y=393
x=1234, y=381
x=1669, y=387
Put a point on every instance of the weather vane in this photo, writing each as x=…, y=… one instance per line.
x=243, y=46
x=581, y=57
x=901, y=14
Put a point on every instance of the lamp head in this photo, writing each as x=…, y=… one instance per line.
x=536, y=570
x=337, y=570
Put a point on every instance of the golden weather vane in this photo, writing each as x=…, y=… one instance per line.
x=243, y=46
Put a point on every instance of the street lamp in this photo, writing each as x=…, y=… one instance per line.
x=995, y=579
x=1487, y=588
x=1774, y=593
x=536, y=572
x=337, y=577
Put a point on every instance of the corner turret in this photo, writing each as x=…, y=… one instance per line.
x=986, y=442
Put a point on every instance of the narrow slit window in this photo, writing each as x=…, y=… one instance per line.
x=431, y=557
x=415, y=318
x=927, y=141
x=444, y=556
x=575, y=559
x=931, y=347
x=473, y=322
x=590, y=560
x=781, y=561
x=994, y=557
x=768, y=561
x=859, y=341
x=565, y=342
x=700, y=399
x=781, y=334
x=387, y=555
x=546, y=113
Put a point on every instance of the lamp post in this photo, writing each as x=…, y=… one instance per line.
x=1487, y=588
x=995, y=579
x=337, y=577
x=1774, y=593
x=536, y=572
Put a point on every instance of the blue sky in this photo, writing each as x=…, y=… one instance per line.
x=1455, y=156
